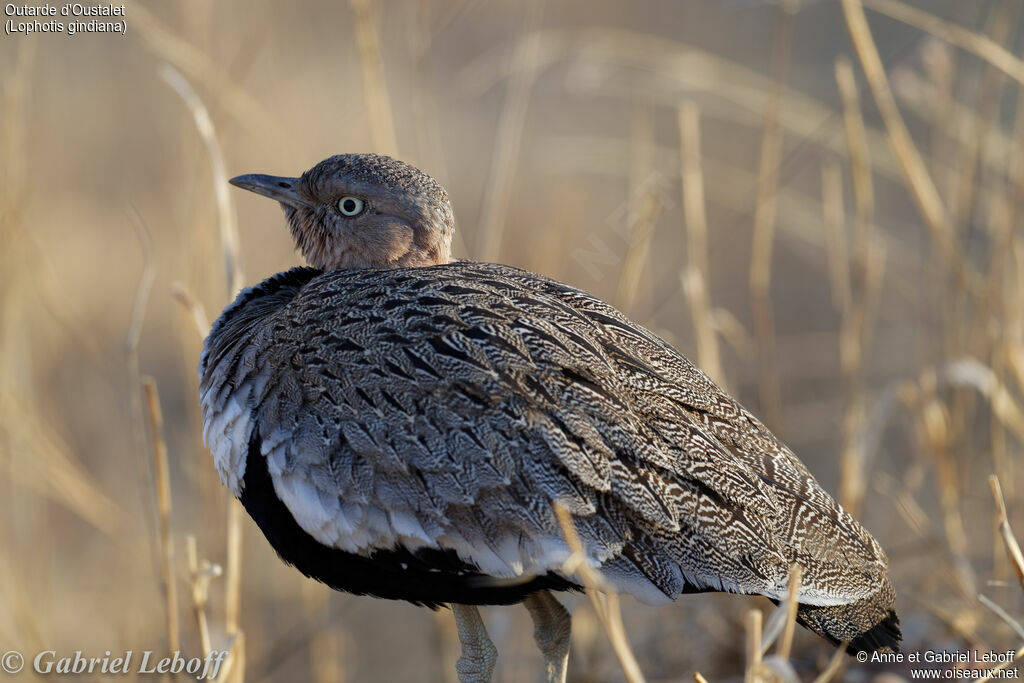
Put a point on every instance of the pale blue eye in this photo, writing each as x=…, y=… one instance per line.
x=350, y=206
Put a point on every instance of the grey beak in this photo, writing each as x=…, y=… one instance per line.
x=275, y=187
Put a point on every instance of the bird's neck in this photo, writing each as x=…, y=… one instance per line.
x=353, y=260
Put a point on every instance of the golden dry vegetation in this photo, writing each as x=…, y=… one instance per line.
x=820, y=202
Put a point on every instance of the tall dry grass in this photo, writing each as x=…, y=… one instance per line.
x=819, y=202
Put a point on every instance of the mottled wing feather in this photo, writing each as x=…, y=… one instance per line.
x=449, y=407
x=837, y=550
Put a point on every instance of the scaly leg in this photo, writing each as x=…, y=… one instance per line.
x=478, y=652
x=551, y=627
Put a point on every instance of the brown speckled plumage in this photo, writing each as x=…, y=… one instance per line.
x=442, y=407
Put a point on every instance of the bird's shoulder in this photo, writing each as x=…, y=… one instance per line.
x=251, y=309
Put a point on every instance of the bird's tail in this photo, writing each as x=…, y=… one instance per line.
x=869, y=624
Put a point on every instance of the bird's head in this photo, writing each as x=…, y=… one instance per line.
x=362, y=211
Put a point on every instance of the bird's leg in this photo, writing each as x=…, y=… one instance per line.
x=551, y=627
x=478, y=652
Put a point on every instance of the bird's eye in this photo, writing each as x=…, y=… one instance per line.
x=350, y=206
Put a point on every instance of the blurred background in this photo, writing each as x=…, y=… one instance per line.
x=830, y=226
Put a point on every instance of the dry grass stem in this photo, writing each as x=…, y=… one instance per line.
x=907, y=506
x=1015, y=359
x=916, y=175
x=446, y=640
x=765, y=218
x=801, y=229
x=51, y=468
x=642, y=209
x=233, y=578
x=602, y=596
x=371, y=60
x=189, y=59
x=962, y=621
x=857, y=150
x=971, y=372
x=505, y=162
x=698, y=678
x=234, y=278
x=142, y=289
x=857, y=329
x=1003, y=210
x=13, y=141
x=225, y=207
x=1009, y=539
x=193, y=306
x=732, y=331
x=779, y=627
x=939, y=64
x=200, y=574
x=933, y=429
x=21, y=611
x=865, y=269
x=163, y=497
x=737, y=93
x=1000, y=25
x=792, y=602
x=328, y=656
x=853, y=308
x=1002, y=614
x=695, y=278
x=752, y=622
x=954, y=127
x=132, y=336
x=775, y=669
x=234, y=663
x=852, y=480
x=976, y=43
x=835, y=664
x=835, y=231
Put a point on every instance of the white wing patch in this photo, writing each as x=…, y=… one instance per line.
x=363, y=529
x=226, y=432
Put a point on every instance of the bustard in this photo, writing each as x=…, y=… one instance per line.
x=399, y=424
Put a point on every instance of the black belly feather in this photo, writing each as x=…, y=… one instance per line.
x=426, y=577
